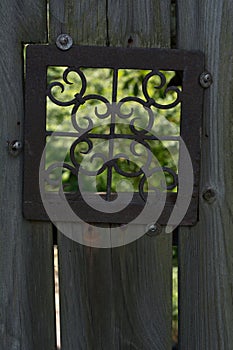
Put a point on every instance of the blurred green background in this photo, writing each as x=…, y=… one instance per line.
x=99, y=82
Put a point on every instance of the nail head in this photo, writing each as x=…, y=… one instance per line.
x=206, y=79
x=64, y=42
x=153, y=230
x=209, y=195
x=15, y=147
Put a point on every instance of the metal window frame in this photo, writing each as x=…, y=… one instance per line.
x=40, y=57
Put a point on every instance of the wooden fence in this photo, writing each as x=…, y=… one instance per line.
x=119, y=298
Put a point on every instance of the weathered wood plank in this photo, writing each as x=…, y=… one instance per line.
x=142, y=278
x=26, y=255
x=85, y=273
x=206, y=251
x=85, y=21
x=116, y=298
x=143, y=269
x=139, y=23
x=86, y=293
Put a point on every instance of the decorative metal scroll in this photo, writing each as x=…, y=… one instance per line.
x=114, y=109
x=121, y=119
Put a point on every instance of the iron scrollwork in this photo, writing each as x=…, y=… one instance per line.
x=114, y=110
x=112, y=135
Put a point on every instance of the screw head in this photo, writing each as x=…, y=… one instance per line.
x=64, y=42
x=15, y=147
x=153, y=229
x=206, y=79
x=209, y=195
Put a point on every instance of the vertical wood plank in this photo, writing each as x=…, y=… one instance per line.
x=142, y=278
x=142, y=270
x=115, y=298
x=146, y=22
x=26, y=249
x=206, y=250
x=84, y=273
x=85, y=21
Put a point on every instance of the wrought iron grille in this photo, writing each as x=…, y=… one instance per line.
x=112, y=128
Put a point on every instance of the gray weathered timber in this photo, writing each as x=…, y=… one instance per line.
x=206, y=251
x=26, y=249
x=142, y=277
x=85, y=273
x=139, y=23
x=142, y=270
x=115, y=298
x=85, y=21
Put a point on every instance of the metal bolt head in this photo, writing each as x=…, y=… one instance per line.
x=209, y=195
x=206, y=79
x=153, y=229
x=15, y=147
x=64, y=42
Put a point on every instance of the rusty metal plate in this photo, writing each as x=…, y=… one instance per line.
x=152, y=105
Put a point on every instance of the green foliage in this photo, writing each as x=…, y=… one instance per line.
x=99, y=81
x=175, y=304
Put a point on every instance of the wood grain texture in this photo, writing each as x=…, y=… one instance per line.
x=116, y=298
x=85, y=21
x=26, y=263
x=142, y=278
x=206, y=250
x=146, y=22
x=143, y=269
